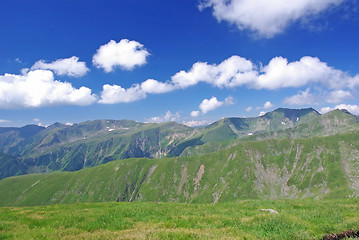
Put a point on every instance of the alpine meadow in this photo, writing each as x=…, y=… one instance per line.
x=172, y=119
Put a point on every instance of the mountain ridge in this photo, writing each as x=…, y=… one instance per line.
x=87, y=144
x=318, y=167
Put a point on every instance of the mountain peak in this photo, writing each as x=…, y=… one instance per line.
x=292, y=114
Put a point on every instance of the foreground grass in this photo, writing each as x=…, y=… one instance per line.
x=297, y=219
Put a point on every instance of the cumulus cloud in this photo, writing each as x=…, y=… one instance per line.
x=268, y=105
x=308, y=98
x=338, y=96
x=232, y=72
x=39, y=88
x=279, y=73
x=237, y=72
x=116, y=94
x=194, y=123
x=165, y=118
x=68, y=66
x=213, y=103
x=261, y=114
x=125, y=54
x=154, y=86
x=248, y=109
x=302, y=98
x=266, y=18
x=210, y=105
x=195, y=113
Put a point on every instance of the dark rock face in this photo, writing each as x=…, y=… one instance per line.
x=343, y=235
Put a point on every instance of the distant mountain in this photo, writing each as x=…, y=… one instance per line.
x=59, y=147
x=331, y=123
x=70, y=148
x=279, y=119
x=337, y=121
x=227, y=129
x=318, y=167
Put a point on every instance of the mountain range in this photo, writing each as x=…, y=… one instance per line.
x=286, y=153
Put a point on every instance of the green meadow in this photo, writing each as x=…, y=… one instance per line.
x=296, y=219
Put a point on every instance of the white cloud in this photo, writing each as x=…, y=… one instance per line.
x=279, y=73
x=308, y=98
x=232, y=72
x=154, y=86
x=338, y=96
x=268, y=105
x=237, y=71
x=4, y=121
x=261, y=113
x=210, y=105
x=229, y=100
x=126, y=54
x=24, y=71
x=116, y=94
x=36, y=120
x=302, y=98
x=248, y=109
x=165, y=118
x=194, y=123
x=324, y=110
x=69, y=124
x=39, y=88
x=195, y=113
x=68, y=66
x=354, y=109
x=263, y=17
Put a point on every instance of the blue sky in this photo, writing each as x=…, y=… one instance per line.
x=185, y=60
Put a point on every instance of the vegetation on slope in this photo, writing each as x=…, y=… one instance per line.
x=321, y=167
x=34, y=149
x=71, y=148
x=335, y=122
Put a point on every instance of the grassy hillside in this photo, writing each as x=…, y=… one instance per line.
x=321, y=167
x=296, y=219
x=60, y=147
x=33, y=149
x=335, y=122
x=71, y=148
x=331, y=123
x=233, y=128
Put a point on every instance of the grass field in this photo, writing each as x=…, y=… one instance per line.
x=296, y=219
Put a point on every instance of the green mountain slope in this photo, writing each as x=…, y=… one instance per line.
x=70, y=148
x=314, y=167
x=281, y=118
x=236, y=128
x=34, y=149
x=331, y=123
x=335, y=122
